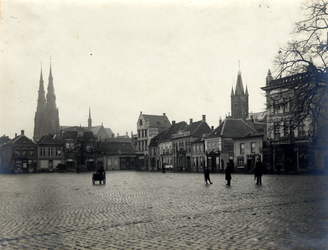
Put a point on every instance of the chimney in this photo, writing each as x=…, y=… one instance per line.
x=164, y=114
x=22, y=132
x=173, y=122
x=212, y=128
x=118, y=134
x=15, y=135
x=220, y=121
x=204, y=118
x=126, y=135
x=113, y=135
x=190, y=121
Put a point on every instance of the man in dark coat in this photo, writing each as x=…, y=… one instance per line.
x=228, y=174
x=258, y=171
x=207, y=175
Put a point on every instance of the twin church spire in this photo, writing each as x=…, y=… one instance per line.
x=46, y=120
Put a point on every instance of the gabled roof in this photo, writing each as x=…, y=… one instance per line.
x=231, y=128
x=198, y=128
x=72, y=132
x=115, y=148
x=200, y=139
x=47, y=139
x=20, y=139
x=173, y=130
x=157, y=139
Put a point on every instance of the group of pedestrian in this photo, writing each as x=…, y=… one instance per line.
x=257, y=171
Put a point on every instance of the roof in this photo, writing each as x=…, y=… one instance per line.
x=72, y=132
x=231, y=128
x=158, y=138
x=239, y=85
x=156, y=121
x=20, y=139
x=173, y=130
x=198, y=128
x=47, y=139
x=116, y=147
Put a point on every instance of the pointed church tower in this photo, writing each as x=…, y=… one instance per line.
x=239, y=100
x=52, y=116
x=39, y=128
x=89, y=120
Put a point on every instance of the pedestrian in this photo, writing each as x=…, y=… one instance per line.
x=228, y=174
x=278, y=169
x=163, y=168
x=77, y=169
x=258, y=171
x=207, y=176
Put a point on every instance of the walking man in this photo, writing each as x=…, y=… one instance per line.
x=207, y=175
x=228, y=174
x=258, y=171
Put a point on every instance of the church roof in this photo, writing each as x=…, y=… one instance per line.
x=239, y=85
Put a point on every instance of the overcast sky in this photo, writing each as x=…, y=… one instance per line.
x=122, y=57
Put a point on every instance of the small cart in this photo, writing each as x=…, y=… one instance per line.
x=101, y=177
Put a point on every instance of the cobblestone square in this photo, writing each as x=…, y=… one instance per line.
x=151, y=210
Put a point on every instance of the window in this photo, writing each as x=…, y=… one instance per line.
x=79, y=134
x=240, y=161
x=140, y=122
x=42, y=151
x=109, y=162
x=50, y=151
x=57, y=151
x=252, y=147
x=24, y=151
x=116, y=162
x=276, y=128
x=17, y=151
x=31, y=151
x=242, y=148
x=301, y=129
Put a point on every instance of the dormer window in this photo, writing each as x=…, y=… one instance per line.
x=80, y=134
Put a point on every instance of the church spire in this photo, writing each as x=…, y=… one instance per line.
x=89, y=120
x=239, y=85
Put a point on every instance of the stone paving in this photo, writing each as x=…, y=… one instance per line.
x=152, y=210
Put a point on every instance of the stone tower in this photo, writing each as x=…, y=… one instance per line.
x=46, y=119
x=239, y=100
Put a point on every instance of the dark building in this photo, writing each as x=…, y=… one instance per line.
x=239, y=100
x=19, y=154
x=46, y=119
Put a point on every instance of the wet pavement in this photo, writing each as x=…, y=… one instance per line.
x=152, y=210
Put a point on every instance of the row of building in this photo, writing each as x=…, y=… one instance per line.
x=239, y=140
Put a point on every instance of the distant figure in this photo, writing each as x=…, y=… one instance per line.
x=258, y=171
x=77, y=169
x=207, y=175
x=278, y=169
x=222, y=164
x=101, y=170
x=228, y=174
x=163, y=169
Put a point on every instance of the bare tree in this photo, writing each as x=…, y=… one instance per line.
x=301, y=69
